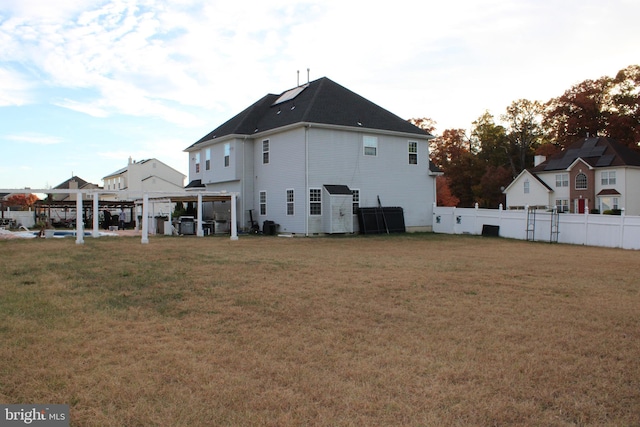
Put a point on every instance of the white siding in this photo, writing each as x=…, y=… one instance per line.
x=538, y=195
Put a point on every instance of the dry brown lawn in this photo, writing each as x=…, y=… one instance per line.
x=403, y=330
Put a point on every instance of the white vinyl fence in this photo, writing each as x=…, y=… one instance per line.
x=611, y=231
x=17, y=218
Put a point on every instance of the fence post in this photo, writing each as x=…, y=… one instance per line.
x=622, y=221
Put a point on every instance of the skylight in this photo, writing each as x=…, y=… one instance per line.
x=290, y=94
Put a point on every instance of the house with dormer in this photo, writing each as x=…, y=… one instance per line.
x=594, y=174
x=308, y=158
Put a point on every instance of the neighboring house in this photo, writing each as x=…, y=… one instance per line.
x=73, y=183
x=144, y=175
x=308, y=158
x=597, y=174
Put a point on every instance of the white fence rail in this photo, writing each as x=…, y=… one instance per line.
x=579, y=229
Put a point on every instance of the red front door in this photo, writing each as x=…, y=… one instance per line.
x=581, y=205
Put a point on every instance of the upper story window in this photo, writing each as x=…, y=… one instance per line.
x=207, y=160
x=370, y=145
x=581, y=181
x=608, y=178
x=413, y=153
x=265, y=152
x=197, y=162
x=227, y=154
x=526, y=186
x=562, y=180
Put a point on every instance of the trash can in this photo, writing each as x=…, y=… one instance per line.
x=269, y=228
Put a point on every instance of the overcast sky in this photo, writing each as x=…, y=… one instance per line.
x=85, y=84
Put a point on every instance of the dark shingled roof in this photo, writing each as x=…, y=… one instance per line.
x=596, y=152
x=321, y=101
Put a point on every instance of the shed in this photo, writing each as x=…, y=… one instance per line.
x=338, y=203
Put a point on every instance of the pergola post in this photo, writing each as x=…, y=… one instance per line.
x=79, y=221
x=234, y=225
x=145, y=218
x=200, y=231
x=96, y=215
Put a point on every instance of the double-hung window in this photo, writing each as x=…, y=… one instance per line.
x=207, y=160
x=608, y=178
x=227, y=154
x=413, y=153
x=315, y=201
x=562, y=180
x=356, y=200
x=265, y=152
x=526, y=186
x=290, y=202
x=197, y=162
x=370, y=145
x=263, y=203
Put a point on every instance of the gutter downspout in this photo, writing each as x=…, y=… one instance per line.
x=306, y=179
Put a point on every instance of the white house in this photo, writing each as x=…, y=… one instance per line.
x=597, y=174
x=145, y=175
x=309, y=157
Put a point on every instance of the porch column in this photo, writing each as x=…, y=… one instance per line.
x=96, y=215
x=79, y=221
x=234, y=225
x=145, y=219
x=200, y=231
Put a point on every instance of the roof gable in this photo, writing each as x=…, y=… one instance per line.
x=321, y=102
x=527, y=173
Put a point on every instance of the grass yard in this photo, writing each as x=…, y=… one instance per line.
x=401, y=330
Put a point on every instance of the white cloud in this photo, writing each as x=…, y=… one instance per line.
x=34, y=138
x=14, y=89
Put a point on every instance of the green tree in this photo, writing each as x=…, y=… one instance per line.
x=494, y=147
x=524, y=131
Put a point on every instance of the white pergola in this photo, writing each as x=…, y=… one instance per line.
x=94, y=194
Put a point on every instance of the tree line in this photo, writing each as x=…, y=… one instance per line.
x=479, y=165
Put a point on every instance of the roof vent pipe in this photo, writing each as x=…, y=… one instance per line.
x=308, y=75
x=298, y=82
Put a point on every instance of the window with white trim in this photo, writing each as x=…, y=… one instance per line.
x=265, y=152
x=263, y=203
x=315, y=201
x=562, y=205
x=562, y=180
x=356, y=200
x=608, y=203
x=526, y=186
x=581, y=181
x=227, y=154
x=608, y=177
x=197, y=162
x=370, y=145
x=290, y=202
x=207, y=160
x=413, y=153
